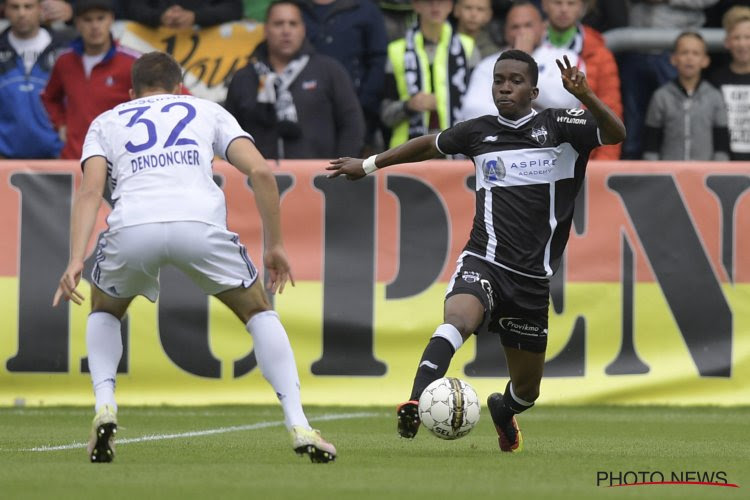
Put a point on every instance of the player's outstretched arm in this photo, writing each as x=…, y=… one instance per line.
x=243, y=154
x=85, y=207
x=417, y=149
x=611, y=127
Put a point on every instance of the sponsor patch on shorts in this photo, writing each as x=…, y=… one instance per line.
x=521, y=326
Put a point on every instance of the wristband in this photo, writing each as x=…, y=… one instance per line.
x=369, y=165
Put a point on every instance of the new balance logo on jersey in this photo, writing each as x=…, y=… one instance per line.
x=539, y=134
x=493, y=170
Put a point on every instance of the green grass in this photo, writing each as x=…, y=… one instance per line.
x=565, y=447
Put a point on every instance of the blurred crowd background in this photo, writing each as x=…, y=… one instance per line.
x=330, y=78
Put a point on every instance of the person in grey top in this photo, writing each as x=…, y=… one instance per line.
x=687, y=119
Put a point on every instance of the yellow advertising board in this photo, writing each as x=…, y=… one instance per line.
x=652, y=304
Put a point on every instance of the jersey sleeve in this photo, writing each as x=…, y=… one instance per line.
x=226, y=130
x=578, y=127
x=95, y=144
x=456, y=139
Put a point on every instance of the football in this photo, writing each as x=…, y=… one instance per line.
x=449, y=407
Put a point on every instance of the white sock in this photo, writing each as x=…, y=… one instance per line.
x=104, y=345
x=276, y=362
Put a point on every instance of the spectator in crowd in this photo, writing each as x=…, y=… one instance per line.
x=256, y=9
x=564, y=30
x=398, y=16
x=295, y=102
x=604, y=15
x=715, y=13
x=183, y=14
x=733, y=80
x=90, y=78
x=353, y=33
x=524, y=30
x=683, y=111
x=472, y=18
x=25, y=129
x=641, y=73
x=427, y=74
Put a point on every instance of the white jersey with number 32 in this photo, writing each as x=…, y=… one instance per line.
x=159, y=151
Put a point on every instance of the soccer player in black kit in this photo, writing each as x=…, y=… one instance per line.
x=529, y=168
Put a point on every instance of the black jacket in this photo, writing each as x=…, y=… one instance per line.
x=330, y=121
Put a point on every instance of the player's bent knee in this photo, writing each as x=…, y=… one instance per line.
x=465, y=326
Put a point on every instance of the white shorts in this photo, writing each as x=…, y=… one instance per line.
x=128, y=259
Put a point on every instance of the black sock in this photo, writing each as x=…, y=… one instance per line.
x=510, y=407
x=433, y=365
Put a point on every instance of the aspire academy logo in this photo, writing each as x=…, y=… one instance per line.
x=610, y=479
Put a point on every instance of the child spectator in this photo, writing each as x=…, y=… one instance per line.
x=734, y=80
x=683, y=110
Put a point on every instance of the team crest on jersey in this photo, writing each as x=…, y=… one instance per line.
x=471, y=276
x=539, y=134
x=493, y=170
x=574, y=111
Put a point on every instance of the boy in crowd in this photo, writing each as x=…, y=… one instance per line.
x=683, y=110
x=734, y=80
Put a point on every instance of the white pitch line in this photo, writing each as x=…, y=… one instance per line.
x=206, y=432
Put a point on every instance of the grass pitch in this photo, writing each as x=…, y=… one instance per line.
x=244, y=452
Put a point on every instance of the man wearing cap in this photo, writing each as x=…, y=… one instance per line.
x=90, y=78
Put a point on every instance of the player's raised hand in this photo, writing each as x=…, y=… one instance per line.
x=66, y=290
x=349, y=167
x=573, y=80
x=279, y=271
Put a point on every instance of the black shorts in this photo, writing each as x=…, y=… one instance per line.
x=516, y=307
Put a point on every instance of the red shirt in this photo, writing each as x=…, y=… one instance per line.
x=74, y=100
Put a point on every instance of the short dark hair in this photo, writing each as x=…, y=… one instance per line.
x=155, y=70
x=686, y=34
x=274, y=3
x=520, y=55
x=80, y=7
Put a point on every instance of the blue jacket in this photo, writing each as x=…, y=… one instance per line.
x=353, y=33
x=25, y=128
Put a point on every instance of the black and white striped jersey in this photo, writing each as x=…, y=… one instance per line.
x=528, y=173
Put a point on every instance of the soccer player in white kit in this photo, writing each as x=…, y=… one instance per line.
x=156, y=153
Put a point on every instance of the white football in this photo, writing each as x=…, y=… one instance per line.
x=449, y=407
